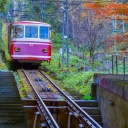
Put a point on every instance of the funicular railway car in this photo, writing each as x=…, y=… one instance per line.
x=29, y=41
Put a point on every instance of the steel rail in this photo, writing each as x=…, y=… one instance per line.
x=89, y=121
x=50, y=120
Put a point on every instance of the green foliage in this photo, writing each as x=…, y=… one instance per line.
x=22, y=89
x=17, y=78
x=86, y=97
x=78, y=82
x=96, y=64
x=2, y=5
x=50, y=11
x=37, y=8
x=57, y=38
x=2, y=61
x=5, y=39
x=3, y=66
x=75, y=82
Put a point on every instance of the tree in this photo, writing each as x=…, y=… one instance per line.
x=91, y=28
x=119, y=14
x=2, y=5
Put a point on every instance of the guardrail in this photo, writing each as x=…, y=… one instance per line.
x=116, y=65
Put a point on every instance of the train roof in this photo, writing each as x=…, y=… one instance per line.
x=30, y=23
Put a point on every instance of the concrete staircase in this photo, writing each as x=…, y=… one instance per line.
x=12, y=114
x=92, y=108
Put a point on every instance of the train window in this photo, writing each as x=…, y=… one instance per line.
x=31, y=31
x=17, y=31
x=44, y=32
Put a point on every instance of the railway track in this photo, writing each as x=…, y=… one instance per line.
x=43, y=88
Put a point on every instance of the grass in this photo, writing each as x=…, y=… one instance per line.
x=3, y=66
x=73, y=81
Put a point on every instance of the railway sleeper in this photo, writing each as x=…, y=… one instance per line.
x=38, y=79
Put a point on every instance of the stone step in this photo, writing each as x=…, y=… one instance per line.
x=15, y=103
x=12, y=114
x=8, y=100
x=8, y=84
x=9, y=94
x=13, y=126
x=14, y=107
x=17, y=109
x=15, y=118
x=11, y=111
x=87, y=103
x=6, y=77
x=9, y=105
x=92, y=110
x=2, y=115
x=6, y=74
x=9, y=88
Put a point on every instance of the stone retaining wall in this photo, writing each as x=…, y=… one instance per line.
x=112, y=94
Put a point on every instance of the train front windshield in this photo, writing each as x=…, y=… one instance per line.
x=31, y=31
x=42, y=32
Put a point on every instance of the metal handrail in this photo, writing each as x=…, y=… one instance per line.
x=113, y=64
x=124, y=65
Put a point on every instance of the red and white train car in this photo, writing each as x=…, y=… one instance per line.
x=29, y=41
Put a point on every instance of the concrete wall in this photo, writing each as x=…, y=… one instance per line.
x=112, y=94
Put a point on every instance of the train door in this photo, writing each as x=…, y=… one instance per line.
x=41, y=50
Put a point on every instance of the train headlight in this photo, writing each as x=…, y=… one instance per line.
x=17, y=49
x=45, y=50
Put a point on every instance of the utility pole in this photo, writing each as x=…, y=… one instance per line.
x=65, y=47
x=42, y=4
